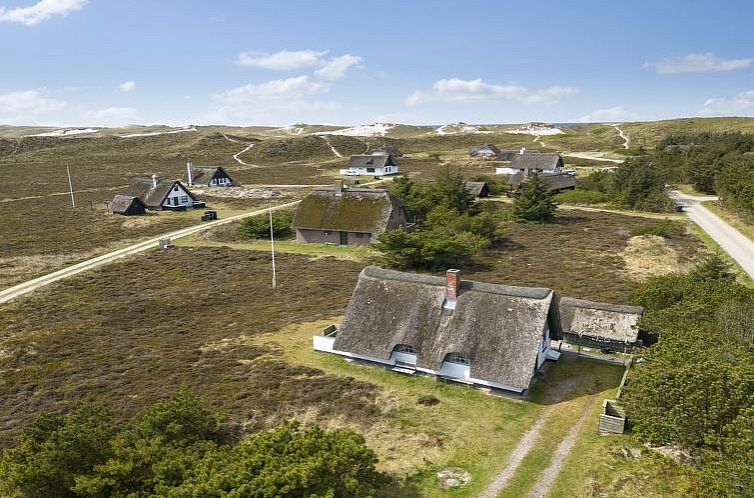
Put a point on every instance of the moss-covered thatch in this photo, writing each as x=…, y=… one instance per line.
x=350, y=210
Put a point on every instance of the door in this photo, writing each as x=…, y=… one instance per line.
x=344, y=238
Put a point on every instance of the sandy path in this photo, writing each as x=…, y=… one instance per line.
x=54, y=194
x=524, y=446
x=542, y=486
x=30, y=285
x=235, y=156
x=592, y=155
x=327, y=140
x=622, y=135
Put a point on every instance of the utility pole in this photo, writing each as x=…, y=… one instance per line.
x=70, y=186
x=272, y=247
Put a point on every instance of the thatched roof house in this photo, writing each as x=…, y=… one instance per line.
x=207, y=176
x=540, y=161
x=376, y=165
x=158, y=194
x=478, y=189
x=600, y=322
x=347, y=216
x=386, y=150
x=486, y=151
x=472, y=332
x=127, y=205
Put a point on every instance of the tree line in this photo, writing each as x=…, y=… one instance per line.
x=181, y=449
x=695, y=388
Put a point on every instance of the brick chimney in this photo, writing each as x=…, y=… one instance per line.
x=189, y=174
x=155, y=180
x=452, y=285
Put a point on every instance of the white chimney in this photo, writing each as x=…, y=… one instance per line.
x=339, y=187
x=189, y=175
x=155, y=180
x=523, y=149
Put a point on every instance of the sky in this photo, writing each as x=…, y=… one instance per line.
x=348, y=62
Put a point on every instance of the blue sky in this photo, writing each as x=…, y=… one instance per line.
x=109, y=63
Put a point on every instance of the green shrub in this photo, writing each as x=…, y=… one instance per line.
x=258, y=227
x=665, y=229
x=535, y=203
x=580, y=196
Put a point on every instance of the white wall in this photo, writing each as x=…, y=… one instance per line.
x=181, y=194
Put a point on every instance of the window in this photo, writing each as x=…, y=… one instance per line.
x=184, y=199
x=404, y=348
x=359, y=235
x=175, y=189
x=370, y=170
x=458, y=358
x=328, y=232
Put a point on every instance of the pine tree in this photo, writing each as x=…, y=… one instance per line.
x=535, y=202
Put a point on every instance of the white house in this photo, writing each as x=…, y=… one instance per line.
x=207, y=176
x=474, y=333
x=372, y=165
x=157, y=194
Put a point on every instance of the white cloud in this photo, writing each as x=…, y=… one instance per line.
x=336, y=68
x=285, y=89
x=705, y=62
x=468, y=91
x=109, y=116
x=740, y=105
x=27, y=102
x=283, y=60
x=41, y=11
x=617, y=113
x=127, y=86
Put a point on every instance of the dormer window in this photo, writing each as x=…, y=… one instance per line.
x=457, y=358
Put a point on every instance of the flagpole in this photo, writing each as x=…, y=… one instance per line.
x=70, y=186
x=272, y=247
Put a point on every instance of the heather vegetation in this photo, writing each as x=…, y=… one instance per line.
x=694, y=389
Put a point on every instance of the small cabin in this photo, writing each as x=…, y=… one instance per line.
x=347, y=216
x=478, y=189
x=485, y=152
x=158, y=194
x=207, y=176
x=127, y=205
x=371, y=165
x=601, y=325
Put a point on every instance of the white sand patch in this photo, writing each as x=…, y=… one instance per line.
x=294, y=129
x=65, y=132
x=538, y=129
x=155, y=133
x=459, y=128
x=371, y=130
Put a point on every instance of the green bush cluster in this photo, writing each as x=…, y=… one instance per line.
x=695, y=387
x=666, y=229
x=180, y=449
x=636, y=184
x=258, y=227
x=535, y=202
x=450, y=226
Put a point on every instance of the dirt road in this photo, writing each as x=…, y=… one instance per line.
x=737, y=245
x=30, y=285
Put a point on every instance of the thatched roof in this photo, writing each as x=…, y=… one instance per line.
x=386, y=150
x=539, y=160
x=369, y=161
x=350, y=210
x=202, y=175
x=478, y=189
x=600, y=320
x=491, y=147
x=498, y=327
x=121, y=203
x=152, y=196
x=552, y=182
